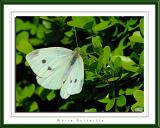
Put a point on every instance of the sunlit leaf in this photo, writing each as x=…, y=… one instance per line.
x=139, y=105
x=51, y=96
x=129, y=91
x=119, y=49
x=40, y=32
x=141, y=25
x=28, y=91
x=65, y=106
x=110, y=104
x=81, y=22
x=103, y=25
x=104, y=100
x=136, y=37
x=33, y=107
x=106, y=55
x=127, y=63
x=66, y=40
x=18, y=58
x=22, y=42
x=121, y=101
x=91, y=110
x=141, y=59
x=47, y=24
x=96, y=41
x=121, y=92
x=35, y=41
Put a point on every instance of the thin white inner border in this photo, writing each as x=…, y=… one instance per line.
x=11, y=11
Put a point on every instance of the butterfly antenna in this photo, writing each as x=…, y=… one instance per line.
x=75, y=36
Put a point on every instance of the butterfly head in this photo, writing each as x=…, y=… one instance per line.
x=77, y=51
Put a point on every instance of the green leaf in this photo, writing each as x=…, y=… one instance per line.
x=104, y=100
x=119, y=49
x=131, y=23
x=47, y=24
x=83, y=22
x=39, y=90
x=110, y=104
x=121, y=101
x=19, y=24
x=91, y=110
x=51, y=96
x=106, y=55
x=141, y=59
x=35, y=41
x=141, y=26
x=91, y=60
x=69, y=33
x=89, y=75
x=96, y=41
x=129, y=91
x=18, y=94
x=103, y=25
x=66, y=40
x=113, y=79
x=84, y=49
x=121, y=92
x=117, y=63
x=22, y=42
x=40, y=32
x=100, y=63
x=139, y=96
x=18, y=58
x=33, y=107
x=33, y=30
x=65, y=106
x=127, y=63
x=28, y=91
x=136, y=37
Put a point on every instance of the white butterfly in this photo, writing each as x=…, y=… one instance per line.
x=58, y=68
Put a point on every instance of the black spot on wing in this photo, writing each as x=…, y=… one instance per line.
x=75, y=80
x=64, y=81
x=49, y=68
x=43, y=61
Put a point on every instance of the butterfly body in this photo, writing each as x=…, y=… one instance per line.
x=58, y=68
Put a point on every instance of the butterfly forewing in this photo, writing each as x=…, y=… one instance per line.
x=44, y=61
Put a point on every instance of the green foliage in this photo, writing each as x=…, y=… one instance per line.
x=112, y=48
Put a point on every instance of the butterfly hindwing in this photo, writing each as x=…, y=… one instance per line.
x=72, y=84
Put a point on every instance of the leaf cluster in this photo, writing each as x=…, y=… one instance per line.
x=112, y=48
